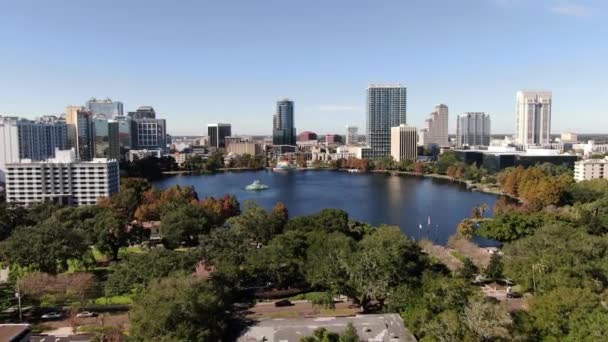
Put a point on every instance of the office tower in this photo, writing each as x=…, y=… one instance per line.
x=386, y=108
x=62, y=180
x=107, y=142
x=307, y=136
x=124, y=132
x=147, y=132
x=473, y=129
x=283, y=128
x=435, y=132
x=218, y=133
x=81, y=131
x=533, y=117
x=404, y=143
x=352, y=135
x=143, y=112
x=27, y=139
x=107, y=107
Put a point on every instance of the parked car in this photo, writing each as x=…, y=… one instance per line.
x=86, y=314
x=52, y=315
x=284, y=302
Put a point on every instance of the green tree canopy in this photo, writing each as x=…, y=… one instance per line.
x=180, y=309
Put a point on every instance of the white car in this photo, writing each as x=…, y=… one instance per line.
x=86, y=314
x=52, y=315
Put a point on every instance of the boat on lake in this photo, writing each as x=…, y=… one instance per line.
x=256, y=186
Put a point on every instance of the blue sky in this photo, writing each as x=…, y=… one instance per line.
x=198, y=62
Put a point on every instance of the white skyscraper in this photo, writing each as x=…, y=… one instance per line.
x=473, y=129
x=404, y=143
x=435, y=132
x=534, y=117
x=352, y=135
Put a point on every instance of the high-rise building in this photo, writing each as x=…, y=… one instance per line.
x=473, y=129
x=435, y=132
x=81, y=131
x=404, y=143
x=62, y=180
x=107, y=141
x=143, y=112
x=107, y=107
x=218, y=133
x=534, y=117
x=386, y=108
x=352, y=135
x=124, y=132
x=149, y=134
x=283, y=127
x=27, y=139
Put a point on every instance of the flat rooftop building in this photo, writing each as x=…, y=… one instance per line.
x=62, y=180
x=376, y=328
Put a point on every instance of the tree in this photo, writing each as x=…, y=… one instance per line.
x=565, y=311
x=569, y=256
x=327, y=261
x=495, y=267
x=180, y=309
x=183, y=225
x=466, y=228
x=281, y=213
x=383, y=261
x=45, y=247
x=488, y=320
x=256, y=223
x=349, y=334
x=512, y=226
x=110, y=232
x=136, y=271
x=444, y=161
x=280, y=262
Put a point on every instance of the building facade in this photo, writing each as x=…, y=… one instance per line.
x=473, y=129
x=218, y=133
x=107, y=138
x=283, y=126
x=107, y=107
x=435, y=131
x=352, y=135
x=404, y=143
x=81, y=132
x=307, y=136
x=62, y=180
x=534, y=117
x=143, y=112
x=591, y=169
x=27, y=139
x=386, y=108
x=147, y=132
x=333, y=139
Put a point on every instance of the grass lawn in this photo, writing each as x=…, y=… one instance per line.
x=458, y=255
x=115, y=300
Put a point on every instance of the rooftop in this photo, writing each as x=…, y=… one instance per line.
x=13, y=332
x=376, y=328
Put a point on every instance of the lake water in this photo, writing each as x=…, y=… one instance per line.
x=404, y=201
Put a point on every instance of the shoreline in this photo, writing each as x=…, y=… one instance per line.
x=470, y=185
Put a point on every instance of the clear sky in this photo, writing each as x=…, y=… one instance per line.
x=198, y=62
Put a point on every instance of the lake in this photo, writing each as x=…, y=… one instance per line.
x=404, y=201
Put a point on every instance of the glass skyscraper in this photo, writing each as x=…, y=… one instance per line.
x=218, y=133
x=386, y=108
x=283, y=130
x=107, y=107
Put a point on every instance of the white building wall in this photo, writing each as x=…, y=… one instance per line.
x=9, y=144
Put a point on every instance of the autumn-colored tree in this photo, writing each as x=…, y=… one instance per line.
x=466, y=228
x=419, y=168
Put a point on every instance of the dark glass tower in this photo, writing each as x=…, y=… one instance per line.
x=284, y=132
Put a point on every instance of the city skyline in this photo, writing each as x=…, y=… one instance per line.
x=485, y=60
